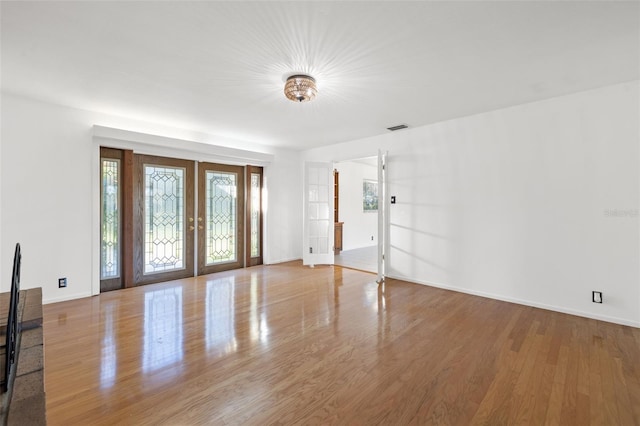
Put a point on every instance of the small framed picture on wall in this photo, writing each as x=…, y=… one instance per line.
x=369, y=196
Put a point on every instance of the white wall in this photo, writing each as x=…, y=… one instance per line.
x=359, y=226
x=283, y=234
x=46, y=193
x=536, y=204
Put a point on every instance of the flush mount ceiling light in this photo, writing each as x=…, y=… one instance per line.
x=300, y=88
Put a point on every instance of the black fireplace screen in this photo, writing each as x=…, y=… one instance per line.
x=13, y=327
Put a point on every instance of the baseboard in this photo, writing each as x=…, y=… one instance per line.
x=554, y=308
x=66, y=298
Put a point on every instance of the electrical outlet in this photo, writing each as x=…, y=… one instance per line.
x=62, y=282
x=372, y=238
x=596, y=296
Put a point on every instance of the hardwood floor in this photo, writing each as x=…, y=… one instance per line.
x=286, y=344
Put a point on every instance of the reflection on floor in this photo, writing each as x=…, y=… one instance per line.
x=364, y=259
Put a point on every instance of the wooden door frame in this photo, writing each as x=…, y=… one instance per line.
x=127, y=217
x=153, y=144
x=203, y=167
x=117, y=282
x=257, y=260
x=138, y=195
x=125, y=189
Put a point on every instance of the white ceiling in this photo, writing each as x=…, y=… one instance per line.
x=219, y=67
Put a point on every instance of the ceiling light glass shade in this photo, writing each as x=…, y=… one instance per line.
x=300, y=88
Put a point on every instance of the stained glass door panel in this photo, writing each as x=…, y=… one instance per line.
x=220, y=217
x=110, y=219
x=165, y=222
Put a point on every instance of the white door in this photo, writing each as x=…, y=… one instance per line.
x=382, y=214
x=318, y=214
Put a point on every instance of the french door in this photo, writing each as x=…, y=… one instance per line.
x=220, y=217
x=383, y=215
x=318, y=214
x=156, y=225
x=164, y=223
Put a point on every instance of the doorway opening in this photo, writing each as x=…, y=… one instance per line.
x=356, y=214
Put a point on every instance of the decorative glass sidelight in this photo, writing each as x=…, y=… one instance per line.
x=164, y=222
x=220, y=217
x=255, y=214
x=110, y=219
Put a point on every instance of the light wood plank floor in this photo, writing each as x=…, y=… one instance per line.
x=285, y=344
